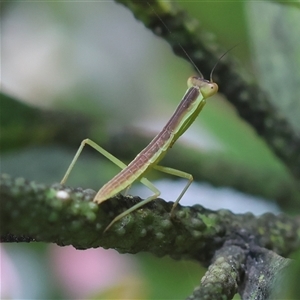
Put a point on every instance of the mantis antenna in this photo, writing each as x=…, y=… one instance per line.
x=181, y=47
x=212, y=70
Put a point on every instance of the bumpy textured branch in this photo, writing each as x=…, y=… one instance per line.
x=254, y=272
x=57, y=214
x=265, y=275
x=251, y=103
x=223, y=275
x=69, y=217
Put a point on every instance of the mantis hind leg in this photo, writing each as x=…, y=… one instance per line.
x=156, y=194
x=98, y=148
x=150, y=186
x=178, y=173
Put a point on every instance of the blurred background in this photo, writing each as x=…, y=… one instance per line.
x=95, y=60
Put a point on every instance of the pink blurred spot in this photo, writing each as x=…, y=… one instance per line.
x=10, y=285
x=86, y=272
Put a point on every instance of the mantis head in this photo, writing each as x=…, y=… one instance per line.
x=206, y=87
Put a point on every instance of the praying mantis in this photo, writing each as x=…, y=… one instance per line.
x=193, y=101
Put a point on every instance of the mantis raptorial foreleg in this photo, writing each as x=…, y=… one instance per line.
x=113, y=159
x=98, y=148
x=109, y=156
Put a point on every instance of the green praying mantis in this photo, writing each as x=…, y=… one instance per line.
x=193, y=101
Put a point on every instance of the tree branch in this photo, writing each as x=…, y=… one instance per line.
x=68, y=216
x=34, y=126
x=32, y=212
x=246, y=268
x=265, y=269
x=223, y=275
